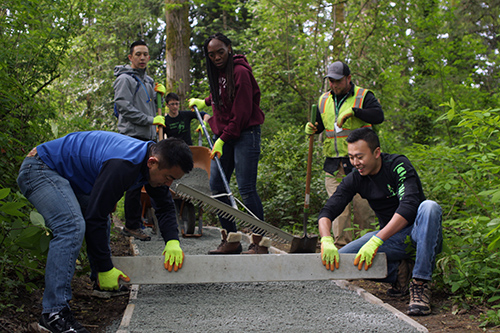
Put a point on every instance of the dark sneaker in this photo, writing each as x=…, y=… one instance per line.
x=402, y=285
x=420, y=298
x=99, y=293
x=137, y=234
x=63, y=321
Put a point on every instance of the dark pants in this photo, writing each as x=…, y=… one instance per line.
x=242, y=157
x=133, y=209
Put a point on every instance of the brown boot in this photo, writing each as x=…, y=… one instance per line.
x=259, y=245
x=231, y=244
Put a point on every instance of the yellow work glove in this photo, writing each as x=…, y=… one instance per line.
x=310, y=129
x=160, y=88
x=344, y=116
x=109, y=280
x=200, y=128
x=159, y=120
x=217, y=149
x=329, y=253
x=174, y=256
x=367, y=253
x=200, y=103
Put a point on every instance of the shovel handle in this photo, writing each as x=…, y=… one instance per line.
x=219, y=166
x=309, y=160
x=308, y=174
x=160, y=128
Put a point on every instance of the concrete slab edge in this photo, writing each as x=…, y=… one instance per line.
x=134, y=290
x=375, y=300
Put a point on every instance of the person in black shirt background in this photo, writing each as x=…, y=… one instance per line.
x=178, y=123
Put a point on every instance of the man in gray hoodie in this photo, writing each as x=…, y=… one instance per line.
x=135, y=102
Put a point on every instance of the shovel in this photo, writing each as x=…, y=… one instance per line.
x=306, y=244
x=160, y=128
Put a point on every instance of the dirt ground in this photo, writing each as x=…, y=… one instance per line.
x=93, y=313
x=96, y=314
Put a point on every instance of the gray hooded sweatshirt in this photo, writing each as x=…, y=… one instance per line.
x=135, y=102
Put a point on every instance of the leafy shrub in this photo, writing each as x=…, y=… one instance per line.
x=462, y=175
x=24, y=245
x=282, y=178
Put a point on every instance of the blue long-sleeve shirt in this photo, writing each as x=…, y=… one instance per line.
x=104, y=165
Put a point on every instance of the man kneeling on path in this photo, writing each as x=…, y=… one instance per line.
x=75, y=182
x=407, y=220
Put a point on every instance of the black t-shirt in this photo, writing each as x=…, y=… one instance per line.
x=396, y=188
x=179, y=127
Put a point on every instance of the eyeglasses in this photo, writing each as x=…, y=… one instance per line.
x=174, y=104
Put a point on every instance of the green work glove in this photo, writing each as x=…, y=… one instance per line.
x=344, y=116
x=329, y=253
x=159, y=120
x=174, y=256
x=217, y=149
x=200, y=128
x=160, y=88
x=109, y=280
x=200, y=103
x=367, y=253
x=310, y=129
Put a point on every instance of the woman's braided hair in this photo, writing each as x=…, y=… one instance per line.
x=213, y=71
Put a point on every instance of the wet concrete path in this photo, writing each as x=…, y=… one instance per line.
x=303, y=306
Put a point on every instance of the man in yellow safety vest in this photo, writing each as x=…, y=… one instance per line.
x=344, y=108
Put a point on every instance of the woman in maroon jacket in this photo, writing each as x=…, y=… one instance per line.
x=235, y=98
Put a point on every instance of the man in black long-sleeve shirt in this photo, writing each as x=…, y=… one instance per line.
x=408, y=222
x=342, y=109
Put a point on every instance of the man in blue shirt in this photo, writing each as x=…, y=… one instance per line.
x=75, y=182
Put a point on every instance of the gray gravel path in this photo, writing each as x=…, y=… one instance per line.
x=320, y=306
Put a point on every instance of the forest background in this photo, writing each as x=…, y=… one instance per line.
x=433, y=64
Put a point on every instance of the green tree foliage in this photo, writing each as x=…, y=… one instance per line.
x=56, y=76
x=288, y=45
x=109, y=29
x=34, y=41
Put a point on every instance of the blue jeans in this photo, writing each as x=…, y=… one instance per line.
x=242, y=156
x=53, y=197
x=426, y=237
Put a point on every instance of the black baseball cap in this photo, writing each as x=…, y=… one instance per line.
x=338, y=70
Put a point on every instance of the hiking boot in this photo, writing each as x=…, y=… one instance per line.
x=136, y=233
x=99, y=293
x=420, y=298
x=63, y=321
x=402, y=285
x=231, y=244
x=259, y=245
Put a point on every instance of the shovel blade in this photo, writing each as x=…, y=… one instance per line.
x=303, y=244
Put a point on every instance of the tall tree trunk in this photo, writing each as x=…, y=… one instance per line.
x=177, y=47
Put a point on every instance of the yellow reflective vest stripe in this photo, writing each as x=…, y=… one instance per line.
x=335, y=144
